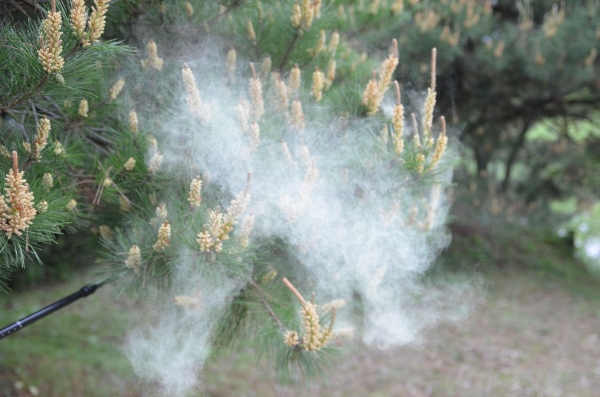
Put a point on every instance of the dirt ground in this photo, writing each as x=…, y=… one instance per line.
x=530, y=337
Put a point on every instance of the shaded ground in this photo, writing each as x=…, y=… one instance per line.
x=530, y=338
x=533, y=336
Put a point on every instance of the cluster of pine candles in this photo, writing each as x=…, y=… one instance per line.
x=174, y=210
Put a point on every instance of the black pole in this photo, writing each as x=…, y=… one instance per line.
x=32, y=318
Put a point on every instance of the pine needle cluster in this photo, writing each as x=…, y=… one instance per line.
x=128, y=159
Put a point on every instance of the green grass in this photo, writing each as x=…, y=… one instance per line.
x=74, y=351
x=517, y=248
x=77, y=350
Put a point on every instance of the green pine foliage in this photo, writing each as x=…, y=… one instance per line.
x=131, y=134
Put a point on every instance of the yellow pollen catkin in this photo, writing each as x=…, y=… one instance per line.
x=134, y=259
x=124, y=203
x=4, y=151
x=116, y=89
x=78, y=17
x=58, y=148
x=133, y=121
x=129, y=164
x=83, y=109
x=161, y=212
x=152, y=61
x=297, y=116
x=397, y=7
x=296, y=17
x=105, y=232
x=269, y=276
x=265, y=69
x=189, y=9
x=245, y=230
x=195, y=195
x=96, y=22
x=41, y=138
x=317, y=8
x=388, y=68
x=16, y=206
x=291, y=339
x=429, y=104
x=281, y=93
x=311, y=340
x=155, y=163
x=71, y=205
x=318, y=80
x=51, y=48
x=195, y=105
x=294, y=83
x=440, y=147
x=164, y=237
x=398, y=121
x=416, y=136
x=334, y=42
x=250, y=32
x=308, y=14
x=237, y=207
x=420, y=162
x=330, y=74
x=42, y=206
x=47, y=181
x=256, y=95
x=320, y=43
x=371, y=98
x=205, y=241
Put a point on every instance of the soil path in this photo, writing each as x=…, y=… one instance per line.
x=531, y=337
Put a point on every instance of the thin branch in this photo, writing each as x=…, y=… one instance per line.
x=294, y=290
x=288, y=51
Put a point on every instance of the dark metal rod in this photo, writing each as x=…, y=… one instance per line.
x=32, y=318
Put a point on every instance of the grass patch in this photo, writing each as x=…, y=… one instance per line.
x=518, y=248
x=74, y=351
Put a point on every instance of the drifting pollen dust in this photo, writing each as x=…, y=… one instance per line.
x=353, y=225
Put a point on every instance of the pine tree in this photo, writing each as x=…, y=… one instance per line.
x=506, y=68
x=245, y=156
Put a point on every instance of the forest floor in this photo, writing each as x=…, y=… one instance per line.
x=532, y=334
